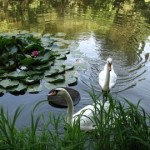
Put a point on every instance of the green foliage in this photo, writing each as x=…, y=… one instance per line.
x=28, y=60
x=7, y=83
x=124, y=126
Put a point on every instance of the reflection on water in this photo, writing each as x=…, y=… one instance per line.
x=95, y=31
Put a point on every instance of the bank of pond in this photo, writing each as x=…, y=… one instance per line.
x=123, y=125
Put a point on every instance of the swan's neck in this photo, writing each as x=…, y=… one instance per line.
x=106, y=83
x=70, y=108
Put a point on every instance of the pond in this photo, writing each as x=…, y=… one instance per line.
x=95, y=30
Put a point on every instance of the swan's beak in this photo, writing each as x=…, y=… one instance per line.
x=52, y=93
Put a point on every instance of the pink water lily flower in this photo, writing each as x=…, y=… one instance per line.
x=35, y=53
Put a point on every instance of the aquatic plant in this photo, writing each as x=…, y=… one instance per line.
x=26, y=60
x=124, y=126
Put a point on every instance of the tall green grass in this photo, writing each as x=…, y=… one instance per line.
x=124, y=126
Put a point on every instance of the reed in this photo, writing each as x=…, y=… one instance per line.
x=123, y=126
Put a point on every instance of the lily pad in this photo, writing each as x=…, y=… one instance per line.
x=33, y=46
x=69, y=67
x=10, y=65
x=47, y=35
x=31, y=73
x=13, y=50
x=20, y=88
x=55, y=79
x=51, y=85
x=17, y=75
x=51, y=72
x=71, y=81
x=4, y=58
x=3, y=76
x=67, y=52
x=28, y=61
x=46, y=39
x=51, y=63
x=32, y=79
x=60, y=68
x=61, y=57
x=2, y=72
x=44, y=59
x=58, y=62
x=42, y=67
x=2, y=90
x=34, y=88
x=45, y=63
x=63, y=51
x=58, y=44
x=8, y=83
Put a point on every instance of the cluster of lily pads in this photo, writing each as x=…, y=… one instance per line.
x=28, y=63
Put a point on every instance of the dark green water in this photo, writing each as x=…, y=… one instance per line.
x=95, y=31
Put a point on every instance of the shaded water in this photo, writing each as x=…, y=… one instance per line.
x=95, y=31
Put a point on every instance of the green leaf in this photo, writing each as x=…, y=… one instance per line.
x=34, y=88
x=32, y=72
x=49, y=85
x=3, y=76
x=61, y=57
x=2, y=72
x=51, y=72
x=71, y=81
x=28, y=61
x=7, y=83
x=13, y=50
x=69, y=67
x=20, y=57
x=4, y=58
x=33, y=79
x=52, y=86
x=60, y=68
x=16, y=51
x=42, y=67
x=58, y=62
x=34, y=46
x=20, y=88
x=10, y=65
x=55, y=79
x=44, y=59
x=46, y=41
x=63, y=52
x=17, y=75
x=2, y=90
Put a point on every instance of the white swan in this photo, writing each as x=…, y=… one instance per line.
x=85, y=115
x=107, y=77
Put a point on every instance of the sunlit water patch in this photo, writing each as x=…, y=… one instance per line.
x=89, y=54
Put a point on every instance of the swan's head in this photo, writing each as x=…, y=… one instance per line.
x=57, y=91
x=109, y=63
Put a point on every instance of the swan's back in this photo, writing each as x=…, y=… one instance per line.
x=86, y=115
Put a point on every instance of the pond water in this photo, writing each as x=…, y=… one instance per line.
x=95, y=32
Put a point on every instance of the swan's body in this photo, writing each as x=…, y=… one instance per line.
x=107, y=77
x=85, y=115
